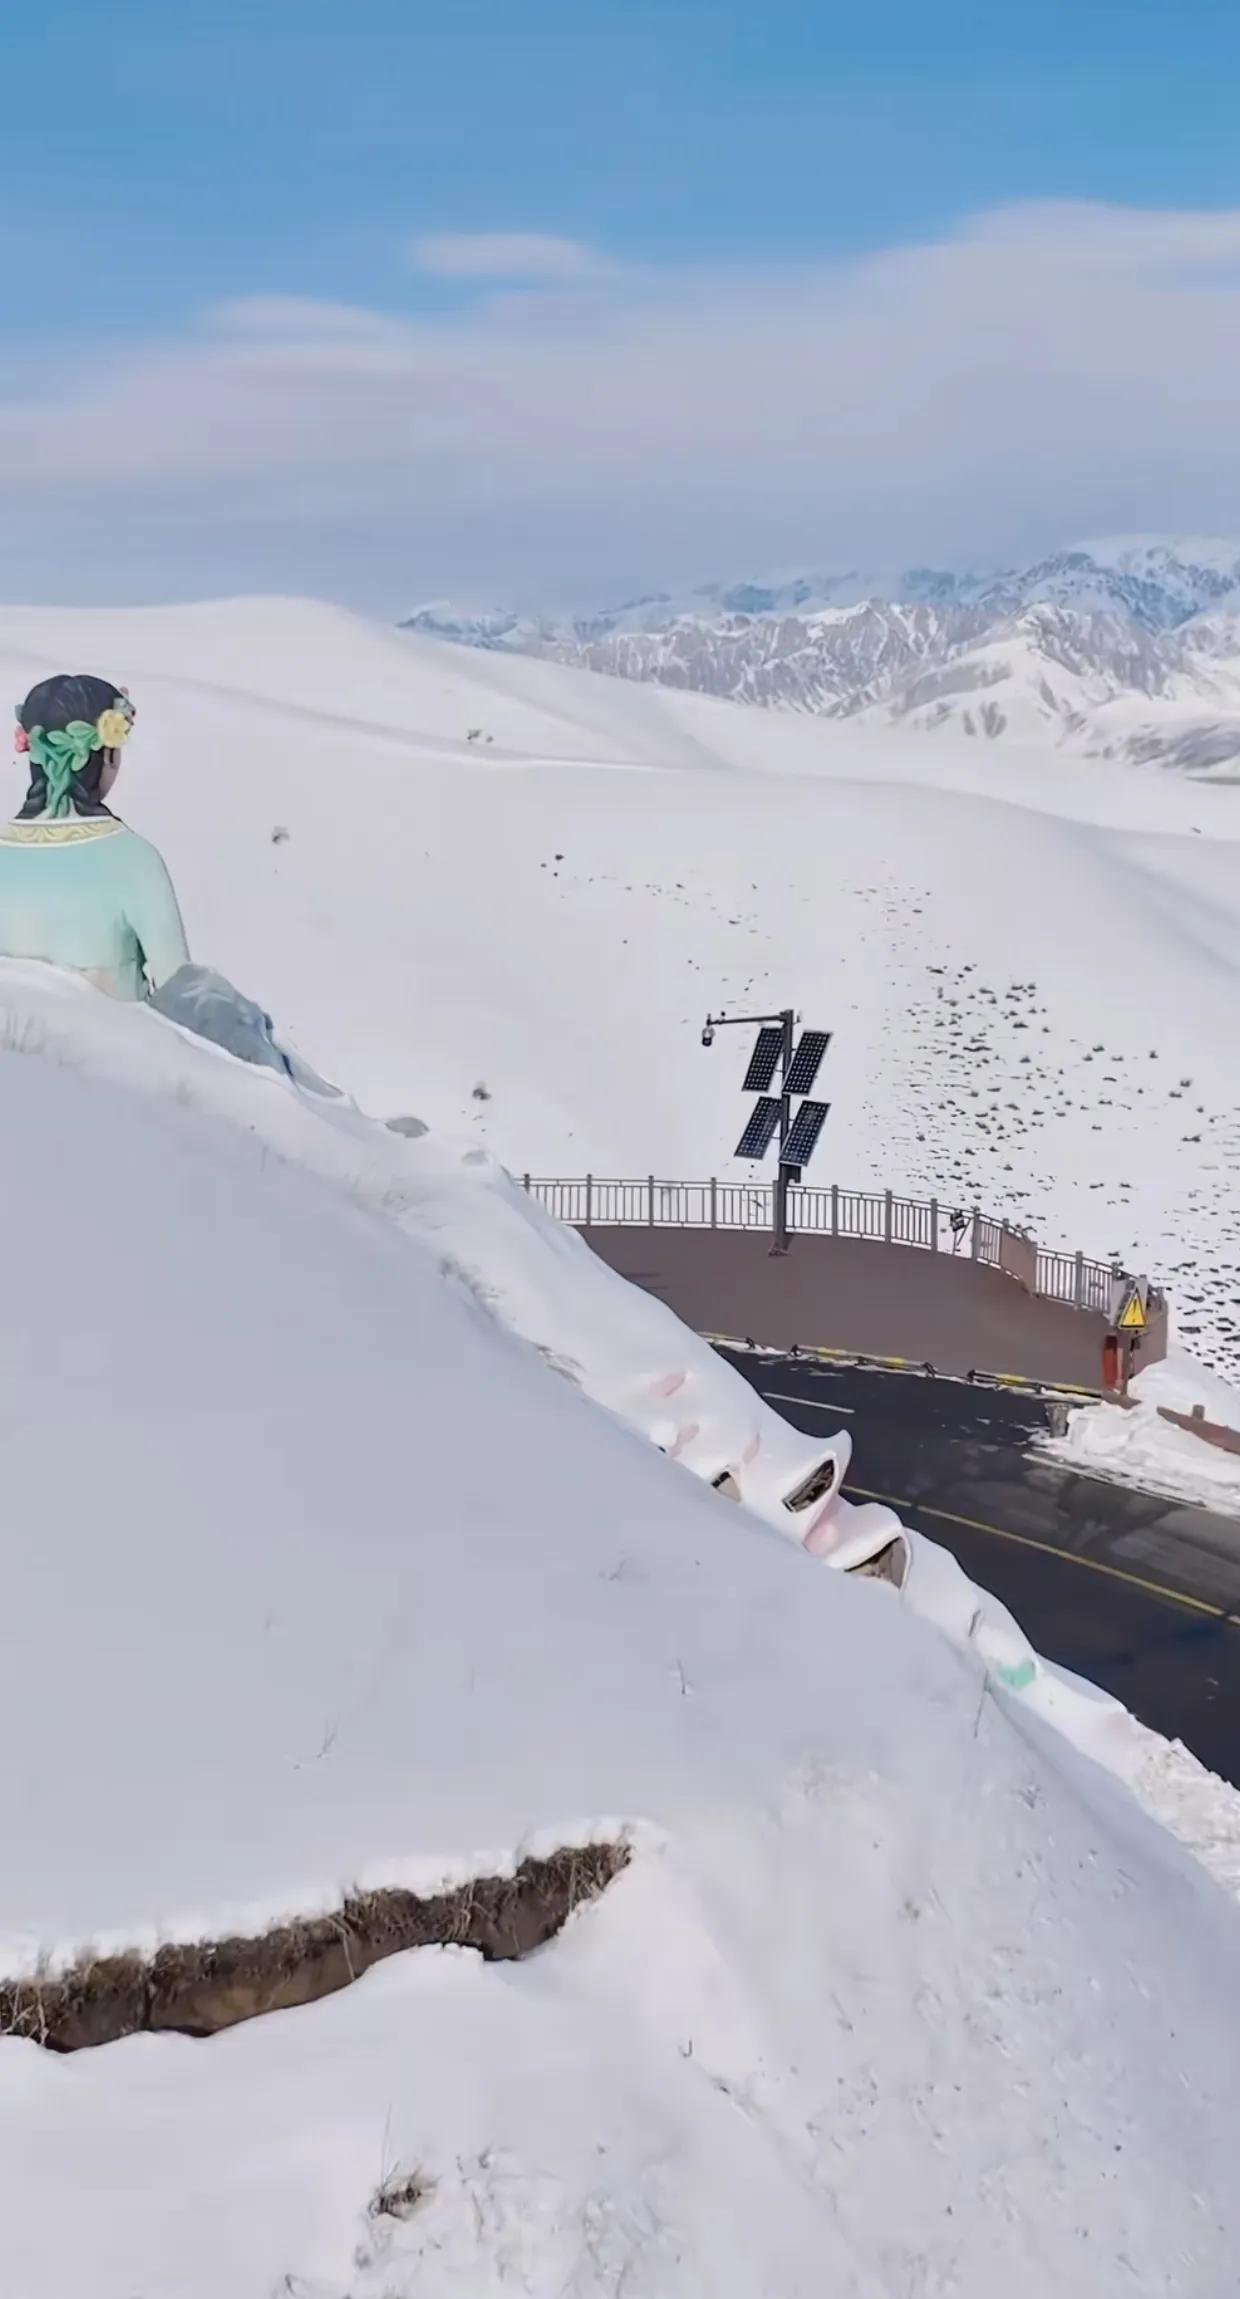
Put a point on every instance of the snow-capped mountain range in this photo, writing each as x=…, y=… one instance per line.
x=1127, y=649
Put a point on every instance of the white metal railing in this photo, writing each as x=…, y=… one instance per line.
x=1070, y=1277
x=593, y=1201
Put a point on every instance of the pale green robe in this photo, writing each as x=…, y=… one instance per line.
x=90, y=895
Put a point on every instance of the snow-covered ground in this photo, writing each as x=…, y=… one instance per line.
x=504, y=894
x=1140, y=1447
x=1183, y=1385
x=321, y=1573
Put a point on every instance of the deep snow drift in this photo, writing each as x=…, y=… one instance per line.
x=1031, y=963
x=320, y=1573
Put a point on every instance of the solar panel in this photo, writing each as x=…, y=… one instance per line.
x=762, y=1062
x=803, y=1139
x=756, y=1139
x=807, y=1061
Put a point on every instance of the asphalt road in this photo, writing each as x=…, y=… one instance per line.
x=1141, y=1595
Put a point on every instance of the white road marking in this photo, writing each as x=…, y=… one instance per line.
x=781, y=1397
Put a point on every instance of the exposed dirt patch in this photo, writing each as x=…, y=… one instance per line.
x=207, y=1985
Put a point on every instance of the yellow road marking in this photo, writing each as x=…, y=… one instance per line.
x=1047, y=1549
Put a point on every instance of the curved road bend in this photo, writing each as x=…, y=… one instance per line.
x=1140, y=1594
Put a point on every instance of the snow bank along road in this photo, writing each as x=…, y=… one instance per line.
x=1140, y=1594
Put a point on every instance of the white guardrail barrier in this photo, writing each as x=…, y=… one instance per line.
x=593, y=1202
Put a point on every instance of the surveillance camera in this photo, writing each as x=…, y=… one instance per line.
x=708, y=1035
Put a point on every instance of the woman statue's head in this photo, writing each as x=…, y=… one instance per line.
x=71, y=729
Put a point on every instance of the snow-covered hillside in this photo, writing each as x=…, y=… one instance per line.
x=322, y=1580
x=503, y=894
x=1095, y=683
x=1126, y=650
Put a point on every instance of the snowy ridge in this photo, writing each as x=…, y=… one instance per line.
x=1159, y=580
x=412, y=1232
x=1126, y=650
x=348, y=1580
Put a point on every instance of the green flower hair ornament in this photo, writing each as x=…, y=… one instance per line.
x=60, y=753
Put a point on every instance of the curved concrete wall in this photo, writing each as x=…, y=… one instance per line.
x=857, y=1295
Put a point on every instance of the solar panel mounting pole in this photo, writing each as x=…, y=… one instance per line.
x=787, y=1018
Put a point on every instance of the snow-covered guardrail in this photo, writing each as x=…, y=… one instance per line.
x=591, y=1201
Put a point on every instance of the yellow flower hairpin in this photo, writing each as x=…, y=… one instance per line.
x=113, y=727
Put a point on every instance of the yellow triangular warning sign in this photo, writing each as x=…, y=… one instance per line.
x=1132, y=1317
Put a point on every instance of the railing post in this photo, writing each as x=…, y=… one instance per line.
x=888, y=1209
x=934, y=1225
x=650, y=1201
x=977, y=1233
x=835, y=1209
x=714, y=1203
x=1078, y=1281
x=589, y=1197
x=525, y=1183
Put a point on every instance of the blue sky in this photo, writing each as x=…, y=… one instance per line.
x=292, y=145
x=166, y=160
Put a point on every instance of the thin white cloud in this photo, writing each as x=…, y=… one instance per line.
x=506, y=256
x=293, y=316
x=1042, y=372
